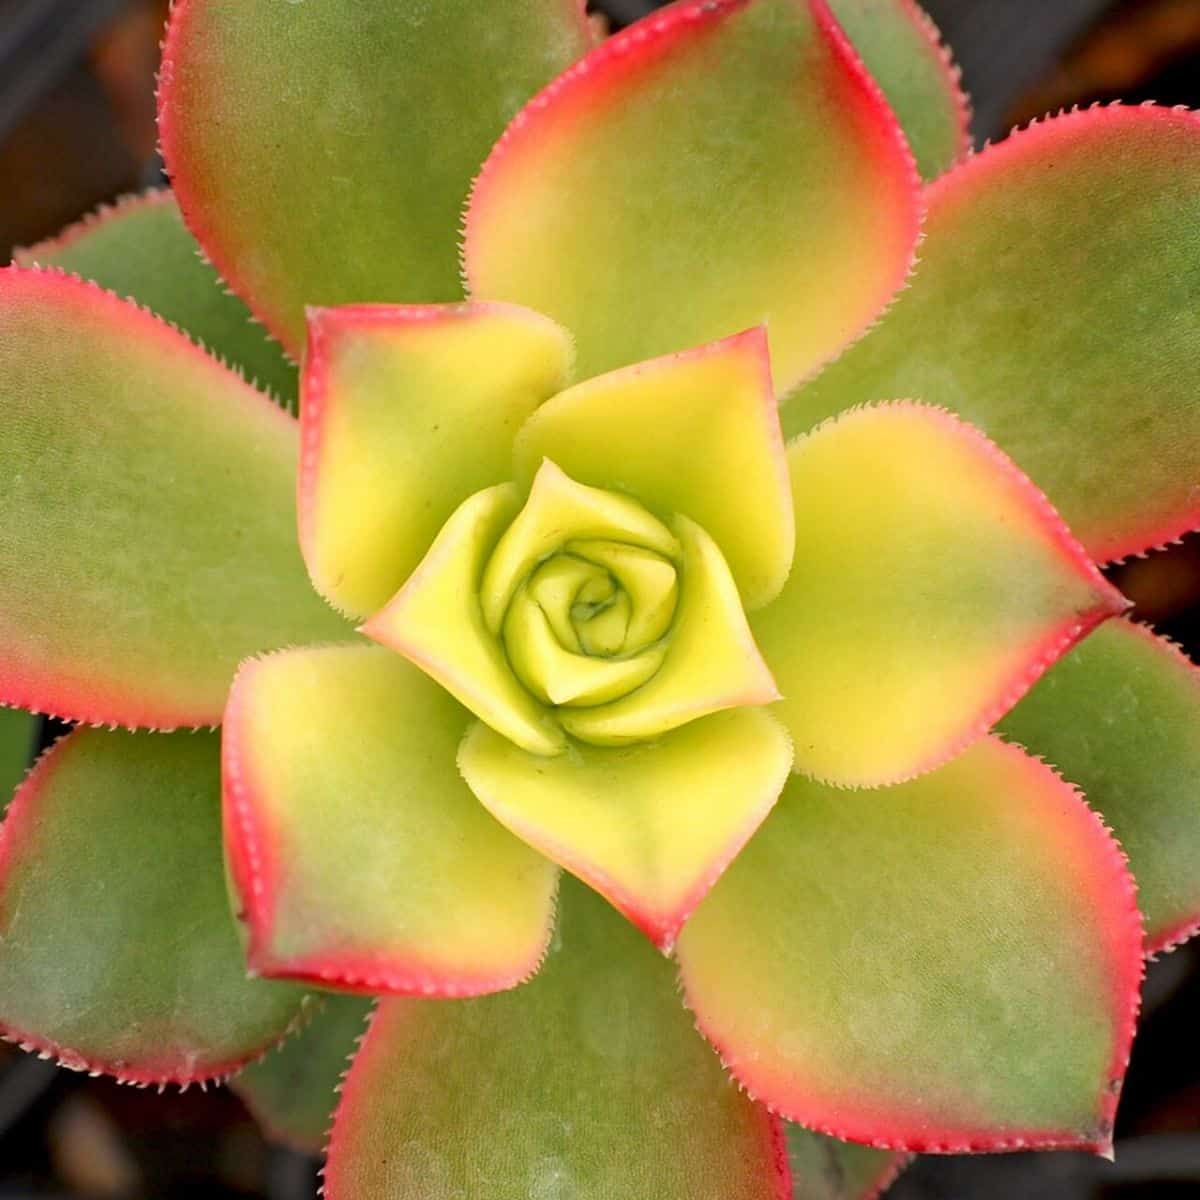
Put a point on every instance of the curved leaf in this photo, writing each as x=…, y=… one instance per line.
x=360, y=857
x=650, y=826
x=825, y=1169
x=903, y=50
x=406, y=412
x=141, y=249
x=719, y=165
x=118, y=952
x=322, y=153
x=588, y=1083
x=932, y=585
x=293, y=1090
x=1120, y=717
x=436, y=621
x=147, y=514
x=1057, y=308
x=695, y=433
x=950, y=964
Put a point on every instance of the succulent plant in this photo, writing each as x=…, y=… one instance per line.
x=670, y=582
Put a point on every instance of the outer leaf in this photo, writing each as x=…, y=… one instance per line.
x=932, y=585
x=141, y=249
x=949, y=965
x=712, y=662
x=407, y=412
x=825, y=1169
x=147, y=538
x=688, y=176
x=323, y=155
x=292, y=1091
x=903, y=50
x=361, y=858
x=589, y=1083
x=696, y=433
x=436, y=621
x=18, y=731
x=1120, y=716
x=650, y=826
x=117, y=951
x=1069, y=337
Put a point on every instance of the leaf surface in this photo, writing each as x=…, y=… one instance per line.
x=293, y=1090
x=141, y=249
x=1120, y=717
x=949, y=964
x=147, y=514
x=360, y=857
x=322, y=153
x=589, y=1082
x=1057, y=308
x=716, y=166
x=407, y=411
x=649, y=826
x=118, y=952
x=932, y=585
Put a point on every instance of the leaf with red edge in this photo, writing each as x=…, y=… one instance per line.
x=293, y=1090
x=588, y=1083
x=1120, y=717
x=322, y=153
x=117, y=949
x=949, y=964
x=360, y=857
x=1057, y=307
x=649, y=826
x=141, y=249
x=405, y=412
x=694, y=433
x=824, y=1168
x=147, y=519
x=932, y=585
x=696, y=175
x=903, y=50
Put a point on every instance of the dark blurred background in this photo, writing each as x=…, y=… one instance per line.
x=77, y=129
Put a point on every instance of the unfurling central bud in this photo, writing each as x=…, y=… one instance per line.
x=589, y=623
x=581, y=589
x=577, y=614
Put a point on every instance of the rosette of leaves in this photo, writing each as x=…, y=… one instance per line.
x=668, y=582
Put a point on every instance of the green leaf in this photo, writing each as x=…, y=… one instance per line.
x=436, y=621
x=824, y=1168
x=695, y=433
x=588, y=1083
x=932, y=585
x=322, y=153
x=18, y=734
x=293, y=1090
x=118, y=952
x=141, y=249
x=904, y=53
x=718, y=165
x=360, y=857
x=406, y=412
x=949, y=964
x=1057, y=308
x=1120, y=716
x=147, y=514
x=649, y=826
